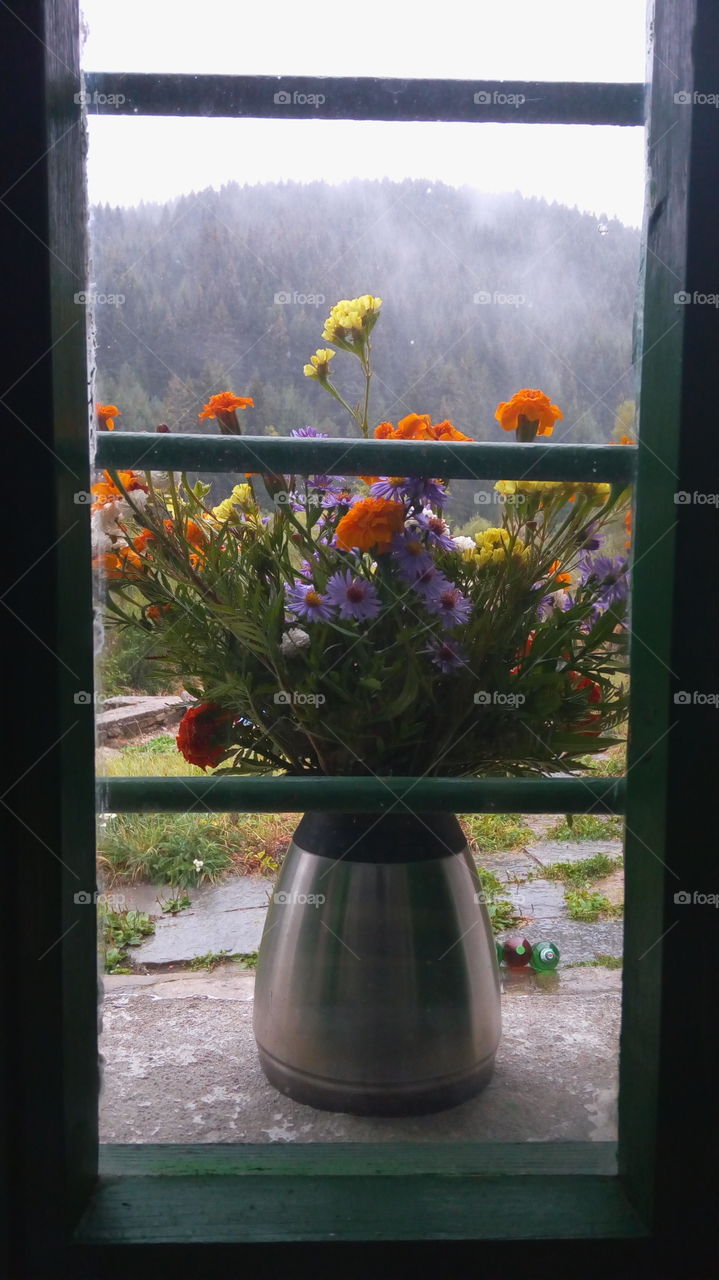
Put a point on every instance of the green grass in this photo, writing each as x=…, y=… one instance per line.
x=158, y=758
x=611, y=765
x=586, y=906
x=209, y=960
x=173, y=906
x=581, y=874
x=162, y=848
x=587, y=826
x=502, y=912
x=120, y=930
x=494, y=832
x=600, y=961
x=246, y=959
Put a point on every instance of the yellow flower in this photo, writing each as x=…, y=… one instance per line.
x=242, y=498
x=351, y=320
x=597, y=494
x=318, y=365
x=494, y=545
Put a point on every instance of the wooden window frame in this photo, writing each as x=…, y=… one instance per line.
x=198, y=1208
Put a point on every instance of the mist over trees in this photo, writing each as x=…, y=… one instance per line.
x=483, y=294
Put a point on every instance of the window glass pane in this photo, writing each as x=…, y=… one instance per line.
x=555, y=40
x=506, y=257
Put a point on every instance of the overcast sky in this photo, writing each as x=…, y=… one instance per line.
x=598, y=169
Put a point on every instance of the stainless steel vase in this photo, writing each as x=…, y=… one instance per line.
x=377, y=988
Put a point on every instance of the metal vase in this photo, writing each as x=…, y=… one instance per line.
x=377, y=987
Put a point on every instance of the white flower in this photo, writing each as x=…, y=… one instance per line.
x=198, y=864
x=161, y=479
x=293, y=642
x=464, y=544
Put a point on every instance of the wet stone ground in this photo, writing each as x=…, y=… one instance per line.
x=180, y=1059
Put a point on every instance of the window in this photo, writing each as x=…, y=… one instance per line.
x=600, y=1205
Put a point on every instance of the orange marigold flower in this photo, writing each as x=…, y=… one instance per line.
x=528, y=406
x=371, y=522
x=622, y=440
x=107, y=491
x=369, y=479
x=554, y=568
x=195, y=534
x=416, y=426
x=142, y=539
x=155, y=612
x=446, y=431
x=105, y=414
x=385, y=431
x=119, y=564
x=225, y=402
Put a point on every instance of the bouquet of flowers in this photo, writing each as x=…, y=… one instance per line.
x=332, y=627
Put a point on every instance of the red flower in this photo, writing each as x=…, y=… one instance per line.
x=203, y=734
x=593, y=693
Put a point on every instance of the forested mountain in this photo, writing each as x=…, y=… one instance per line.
x=221, y=291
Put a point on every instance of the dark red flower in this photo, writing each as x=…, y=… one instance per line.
x=203, y=734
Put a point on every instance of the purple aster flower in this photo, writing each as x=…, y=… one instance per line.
x=410, y=489
x=411, y=555
x=308, y=433
x=429, y=493
x=608, y=574
x=450, y=605
x=354, y=597
x=436, y=528
x=446, y=655
x=305, y=601
x=558, y=600
x=393, y=487
x=430, y=582
x=588, y=538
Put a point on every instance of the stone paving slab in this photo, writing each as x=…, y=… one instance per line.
x=181, y=1066
x=229, y=916
x=546, y=851
x=577, y=941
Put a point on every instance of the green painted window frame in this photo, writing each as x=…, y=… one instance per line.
x=199, y=1208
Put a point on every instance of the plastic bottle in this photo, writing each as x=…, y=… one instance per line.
x=544, y=957
x=517, y=952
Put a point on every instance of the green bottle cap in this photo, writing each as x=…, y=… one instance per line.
x=545, y=956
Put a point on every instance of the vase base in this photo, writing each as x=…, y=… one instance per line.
x=396, y=1099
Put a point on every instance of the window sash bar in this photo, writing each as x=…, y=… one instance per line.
x=365, y=98
x=144, y=451
x=361, y=794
